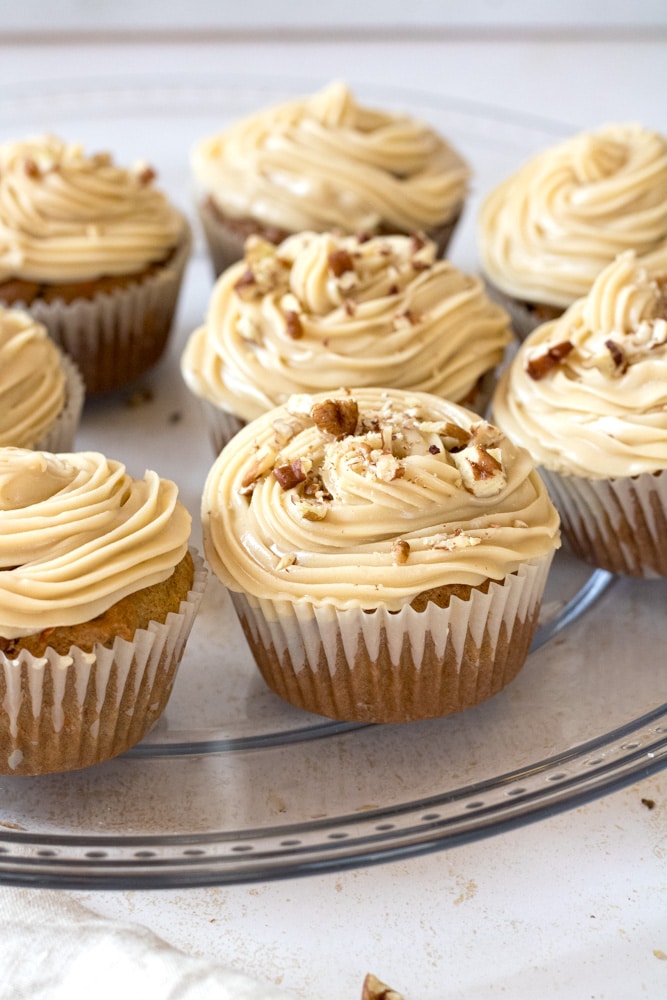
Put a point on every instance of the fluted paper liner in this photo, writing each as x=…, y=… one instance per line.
x=396, y=667
x=59, y=713
x=60, y=436
x=117, y=336
x=615, y=524
x=221, y=425
x=524, y=319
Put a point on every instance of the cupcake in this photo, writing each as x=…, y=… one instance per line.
x=320, y=163
x=98, y=592
x=586, y=394
x=546, y=232
x=41, y=391
x=386, y=552
x=322, y=310
x=94, y=251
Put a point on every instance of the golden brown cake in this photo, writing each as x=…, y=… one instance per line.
x=322, y=163
x=386, y=552
x=94, y=251
x=321, y=310
x=98, y=592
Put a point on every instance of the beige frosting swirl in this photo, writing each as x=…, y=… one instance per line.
x=77, y=534
x=369, y=499
x=322, y=311
x=65, y=216
x=327, y=162
x=32, y=380
x=587, y=393
x=547, y=231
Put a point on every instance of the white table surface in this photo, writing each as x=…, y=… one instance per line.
x=572, y=906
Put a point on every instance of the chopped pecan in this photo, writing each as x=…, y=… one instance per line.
x=363, y=237
x=433, y=449
x=146, y=175
x=541, y=365
x=293, y=325
x=350, y=307
x=485, y=465
x=373, y=989
x=400, y=551
x=31, y=168
x=337, y=417
x=245, y=282
x=417, y=242
x=290, y=475
x=460, y=434
x=340, y=261
x=618, y=356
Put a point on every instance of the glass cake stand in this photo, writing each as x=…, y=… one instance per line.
x=233, y=785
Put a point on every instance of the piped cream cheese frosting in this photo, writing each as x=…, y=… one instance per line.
x=326, y=161
x=368, y=498
x=66, y=216
x=323, y=310
x=32, y=380
x=586, y=394
x=547, y=231
x=77, y=534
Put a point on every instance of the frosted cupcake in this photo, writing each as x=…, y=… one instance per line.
x=546, y=232
x=94, y=251
x=386, y=552
x=41, y=391
x=325, y=162
x=321, y=310
x=587, y=395
x=98, y=592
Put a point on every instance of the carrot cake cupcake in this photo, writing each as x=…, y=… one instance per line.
x=94, y=251
x=324, y=310
x=325, y=162
x=587, y=395
x=547, y=231
x=386, y=552
x=98, y=592
x=41, y=391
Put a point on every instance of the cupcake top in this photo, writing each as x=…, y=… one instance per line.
x=547, y=231
x=322, y=310
x=587, y=393
x=32, y=380
x=326, y=162
x=77, y=534
x=367, y=499
x=66, y=216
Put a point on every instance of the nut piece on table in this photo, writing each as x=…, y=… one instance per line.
x=373, y=989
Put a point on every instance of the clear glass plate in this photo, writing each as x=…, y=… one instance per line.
x=234, y=785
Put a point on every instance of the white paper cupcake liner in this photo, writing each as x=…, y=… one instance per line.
x=221, y=425
x=60, y=436
x=117, y=336
x=615, y=524
x=524, y=319
x=58, y=713
x=396, y=667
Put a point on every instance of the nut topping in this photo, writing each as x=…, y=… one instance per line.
x=373, y=989
x=289, y=476
x=293, y=325
x=337, y=417
x=340, y=261
x=31, y=168
x=146, y=175
x=541, y=365
x=400, y=551
x=618, y=356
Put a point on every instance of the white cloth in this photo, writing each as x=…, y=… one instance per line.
x=53, y=948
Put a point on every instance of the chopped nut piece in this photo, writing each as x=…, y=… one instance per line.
x=481, y=471
x=31, y=168
x=433, y=449
x=388, y=468
x=400, y=551
x=146, y=175
x=293, y=324
x=289, y=476
x=350, y=307
x=336, y=416
x=618, y=356
x=459, y=434
x=245, y=282
x=310, y=509
x=417, y=241
x=541, y=365
x=373, y=989
x=286, y=561
x=363, y=237
x=262, y=464
x=340, y=261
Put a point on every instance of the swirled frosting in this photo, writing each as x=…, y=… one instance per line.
x=66, y=216
x=586, y=394
x=327, y=162
x=77, y=534
x=32, y=380
x=322, y=310
x=370, y=498
x=546, y=232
